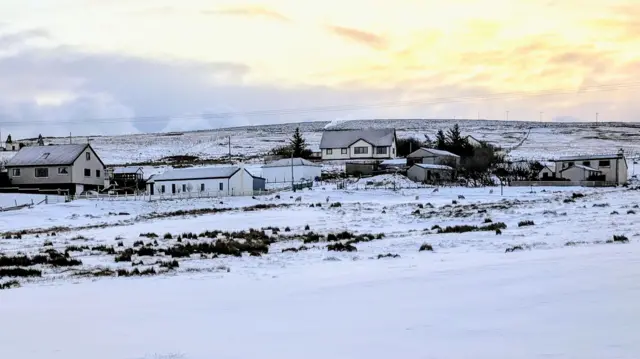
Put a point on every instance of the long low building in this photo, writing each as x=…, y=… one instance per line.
x=610, y=168
x=281, y=171
x=218, y=181
x=426, y=172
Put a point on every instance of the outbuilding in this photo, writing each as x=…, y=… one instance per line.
x=433, y=156
x=281, y=171
x=426, y=173
x=215, y=181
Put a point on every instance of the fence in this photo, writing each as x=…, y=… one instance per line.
x=563, y=184
x=168, y=196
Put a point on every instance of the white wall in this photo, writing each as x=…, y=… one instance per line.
x=336, y=154
x=361, y=143
x=283, y=174
x=617, y=171
x=240, y=184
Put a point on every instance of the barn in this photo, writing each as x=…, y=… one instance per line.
x=213, y=181
x=281, y=171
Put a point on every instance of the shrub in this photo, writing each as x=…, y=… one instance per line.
x=426, y=247
x=169, y=265
x=601, y=205
x=345, y=235
x=420, y=205
x=287, y=229
x=525, y=223
x=79, y=238
x=568, y=200
x=311, y=238
x=620, y=239
x=102, y=248
x=295, y=250
x=146, y=252
x=335, y=205
x=76, y=248
x=124, y=256
x=136, y=272
x=469, y=228
x=10, y=284
x=149, y=235
x=120, y=244
x=436, y=227
x=388, y=255
x=19, y=272
x=306, y=227
x=342, y=247
x=138, y=243
x=498, y=232
x=380, y=236
x=488, y=220
x=168, y=236
x=514, y=249
x=574, y=243
x=577, y=195
x=631, y=212
x=332, y=237
x=614, y=213
x=47, y=244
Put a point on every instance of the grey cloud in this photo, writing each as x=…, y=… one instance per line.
x=18, y=38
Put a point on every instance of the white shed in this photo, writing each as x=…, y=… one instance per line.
x=280, y=171
x=424, y=172
x=217, y=181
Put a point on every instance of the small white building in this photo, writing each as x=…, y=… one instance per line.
x=371, y=144
x=608, y=168
x=216, y=181
x=281, y=171
x=433, y=156
x=546, y=173
x=424, y=172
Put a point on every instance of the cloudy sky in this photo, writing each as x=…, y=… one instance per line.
x=125, y=66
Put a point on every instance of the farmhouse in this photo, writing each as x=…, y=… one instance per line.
x=72, y=168
x=358, y=144
x=218, y=181
x=433, y=156
x=281, y=171
x=610, y=168
x=425, y=172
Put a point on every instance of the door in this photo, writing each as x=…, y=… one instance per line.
x=151, y=189
x=173, y=188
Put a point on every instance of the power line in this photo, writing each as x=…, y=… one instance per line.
x=335, y=108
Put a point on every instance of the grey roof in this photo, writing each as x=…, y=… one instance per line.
x=433, y=152
x=433, y=167
x=57, y=155
x=343, y=139
x=286, y=162
x=196, y=173
x=589, y=157
x=127, y=170
x=582, y=168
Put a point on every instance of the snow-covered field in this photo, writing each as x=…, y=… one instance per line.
x=553, y=288
x=545, y=140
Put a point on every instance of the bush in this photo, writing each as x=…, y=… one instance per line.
x=514, y=249
x=105, y=249
x=614, y=213
x=19, y=272
x=149, y=235
x=468, y=228
x=306, y=227
x=426, y=247
x=332, y=237
x=388, y=255
x=146, y=252
x=10, y=284
x=287, y=229
x=631, y=212
x=76, y=248
x=79, y=238
x=335, y=205
x=168, y=236
x=47, y=244
x=138, y=243
x=488, y=220
x=525, y=223
x=620, y=239
x=170, y=265
x=577, y=195
x=342, y=247
x=124, y=256
x=436, y=227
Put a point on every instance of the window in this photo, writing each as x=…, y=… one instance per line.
x=221, y=186
x=571, y=164
x=586, y=163
x=361, y=150
x=87, y=172
x=344, y=151
x=201, y=187
x=42, y=172
x=381, y=150
x=63, y=170
x=98, y=173
x=329, y=151
x=393, y=151
x=605, y=164
x=184, y=188
x=46, y=155
x=162, y=189
x=88, y=156
x=16, y=172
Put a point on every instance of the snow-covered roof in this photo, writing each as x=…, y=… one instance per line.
x=433, y=167
x=432, y=151
x=56, y=155
x=582, y=167
x=395, y=161
x=343, y=139
x=589, y=157
x=286, y=162
x=196, y=173
x=127, y=170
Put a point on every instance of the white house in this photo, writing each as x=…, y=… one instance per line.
x=217, y=181
x=281, y=171
x=358, y=144
x=609, y=168
x=546, y=173
x=72, y=168
x=433, y=156
x=424, y=172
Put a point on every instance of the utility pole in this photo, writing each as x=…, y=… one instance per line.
x=70, y=141
x=229, y=149
x=293, y=188
x=597, y=118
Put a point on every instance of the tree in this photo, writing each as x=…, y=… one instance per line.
x=40, y=140
x=9, y=140
x=441, y=141
x=298, y=144
x=404, y=146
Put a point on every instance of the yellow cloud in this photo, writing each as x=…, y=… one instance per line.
x=360, y=36
x=250, y=11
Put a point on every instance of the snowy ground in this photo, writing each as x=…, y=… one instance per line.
x=545, y=141
x=566, y=294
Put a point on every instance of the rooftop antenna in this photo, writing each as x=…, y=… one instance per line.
x=70, y=142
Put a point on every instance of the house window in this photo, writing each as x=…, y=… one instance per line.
x=98, y=173
x=42, y=172
x=87, y=172
x=605, y=164
x=381, y=150
x=221, y=186
x=184, y=188
x=46, y=155
x=16, y=172
x=88, y=156
x=329, y=151
x=586, y=163
x=344, y=151
x=361, y=150
x=162, y=189
x=571, y=164
x=63, y=170
x=201, y=187
x=393, y=151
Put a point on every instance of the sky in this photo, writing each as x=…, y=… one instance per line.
x=128, y=66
